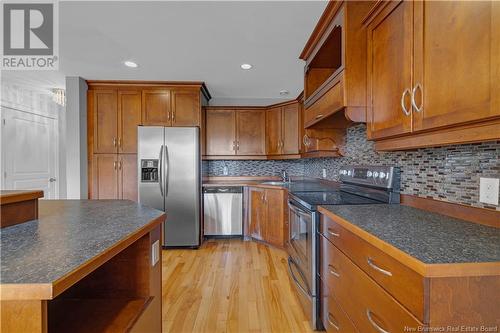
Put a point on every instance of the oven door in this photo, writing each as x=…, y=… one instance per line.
x=301, y=240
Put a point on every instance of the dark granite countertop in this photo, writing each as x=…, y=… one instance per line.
x=431, y=238
x=67, y=234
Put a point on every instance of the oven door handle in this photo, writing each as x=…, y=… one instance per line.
x=290, y=262
x=297, y=210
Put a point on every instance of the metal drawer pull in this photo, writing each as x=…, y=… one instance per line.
x=319, y=116
x=333, y=271
x=374, y=324
x=375, y=267
x=333, y=321
x=406, y=112
x=418, y=86
x=331, y=232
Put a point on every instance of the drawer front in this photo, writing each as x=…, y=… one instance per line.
x=330, y=102
x=369, y=306
x=334, y=319
x=403, y=283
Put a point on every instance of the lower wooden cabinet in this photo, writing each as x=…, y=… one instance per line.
x=334, y=319
x=268, y=219
x=114, y=176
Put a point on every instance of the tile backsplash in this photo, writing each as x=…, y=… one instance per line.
x=449, y=173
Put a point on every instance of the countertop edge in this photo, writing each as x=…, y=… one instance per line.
x=47, y=291
x=426, y=270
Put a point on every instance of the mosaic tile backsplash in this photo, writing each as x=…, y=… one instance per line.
x=448, y=173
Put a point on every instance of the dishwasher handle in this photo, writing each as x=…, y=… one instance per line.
x=222, y=189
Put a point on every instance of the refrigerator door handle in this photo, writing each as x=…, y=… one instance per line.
x=160, y=173
x=167, y=167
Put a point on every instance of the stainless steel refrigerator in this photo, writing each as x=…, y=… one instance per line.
x=169, y=179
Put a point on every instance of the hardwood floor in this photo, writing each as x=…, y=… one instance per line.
x=229, y=286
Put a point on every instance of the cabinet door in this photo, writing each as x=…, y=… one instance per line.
x=186, y=108
x=290, y=129
x=105, y=121
x=220, y=132
x=156, y=107
x=129, y=117
x=258, y=212
x=105, y=176
x=273, y=131
x=250, y=132
x=127, y=176
x=389, y=71
x=275, y=220
x=457, y=62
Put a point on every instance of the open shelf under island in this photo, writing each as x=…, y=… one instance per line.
x=83, y=266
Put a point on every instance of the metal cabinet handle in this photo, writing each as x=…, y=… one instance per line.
x=114, y=165
x=319, y=116
x=405, y=111
x=168, y=115
x=333, y=233
x=173, y=115
x=413, y=103
x=333, y=271
x=375, y=267
x=119, y=142
x=114, y=142
x=119, y=165
x=333, y=321
x=374, y=324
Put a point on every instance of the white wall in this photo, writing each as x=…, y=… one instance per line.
x=76, y=138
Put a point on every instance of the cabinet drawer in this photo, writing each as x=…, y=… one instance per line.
x=330, y=102
x=369, y=306
x=334, y=319
x=403, y=283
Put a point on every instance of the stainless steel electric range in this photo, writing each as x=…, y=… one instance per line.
x=360, y=185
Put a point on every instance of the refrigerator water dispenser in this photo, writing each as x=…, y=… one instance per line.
x=149, y=171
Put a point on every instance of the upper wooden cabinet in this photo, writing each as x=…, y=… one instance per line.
x=433, y=73
x=220, y=132
x=282, y=129
x=156, y=107
x=105, y=120
x=335, y=70
x=186, y=107
x=239, y=132
x=129, y=117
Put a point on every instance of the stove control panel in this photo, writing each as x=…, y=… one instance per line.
x=374, y=176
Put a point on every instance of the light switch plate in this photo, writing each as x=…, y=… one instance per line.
x=155, y=252
x=488, y=190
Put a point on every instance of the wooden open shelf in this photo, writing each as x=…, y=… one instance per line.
x=96, y=315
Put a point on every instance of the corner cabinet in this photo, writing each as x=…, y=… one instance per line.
x=268, y=220
x=115, y=109
x=433, y=73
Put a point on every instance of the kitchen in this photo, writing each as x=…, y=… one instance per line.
x=365, y=199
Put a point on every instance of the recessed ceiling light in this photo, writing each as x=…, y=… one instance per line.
x=131, y=64
x=246, y=66
x=284, y=92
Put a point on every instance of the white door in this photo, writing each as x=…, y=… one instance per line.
x=29, y=152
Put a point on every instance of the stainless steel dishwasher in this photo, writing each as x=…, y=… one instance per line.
x=223, y=211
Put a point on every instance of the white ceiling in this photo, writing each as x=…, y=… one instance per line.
x=187, y=41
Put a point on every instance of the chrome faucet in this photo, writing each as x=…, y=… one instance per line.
x=284, y=176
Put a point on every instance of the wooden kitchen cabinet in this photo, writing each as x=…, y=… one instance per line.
x=156, y=107
x=129, y=117
x=250, y=132
x=268, y=219
x=220, y=132
x=282, y=129
x=433, y=81
x=114, y=176
x=235, y=132
x=186, y=107
x=105, y=120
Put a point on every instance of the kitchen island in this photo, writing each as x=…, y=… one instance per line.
x=82, y=266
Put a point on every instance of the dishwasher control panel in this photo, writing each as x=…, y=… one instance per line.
x=149, y=171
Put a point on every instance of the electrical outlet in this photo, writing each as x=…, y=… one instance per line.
x=155, y=252
x=488, y=190
x=324, y=173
